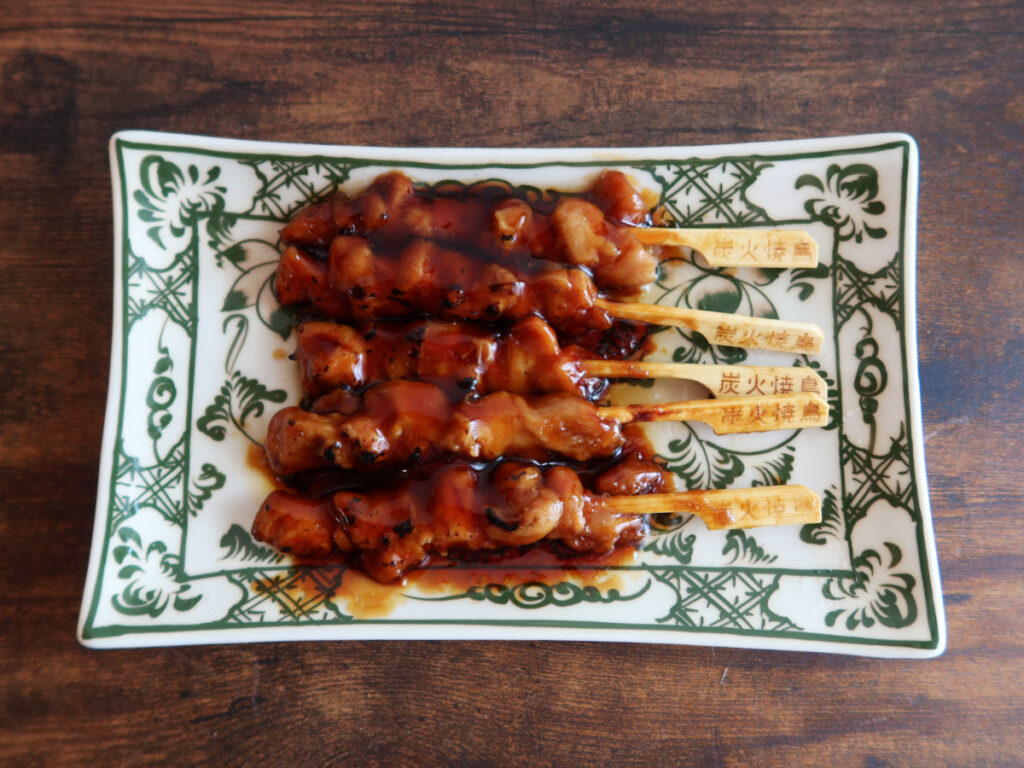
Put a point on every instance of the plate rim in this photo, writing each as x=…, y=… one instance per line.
x=507, y=156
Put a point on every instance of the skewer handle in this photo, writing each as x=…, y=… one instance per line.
x=722, y=380
x=730, y=508
x=775, y=249
x=725, y=329
x=732, y=415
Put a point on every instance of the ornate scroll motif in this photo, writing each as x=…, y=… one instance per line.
x=154, y=575
x=849, y=198
x=537, y=594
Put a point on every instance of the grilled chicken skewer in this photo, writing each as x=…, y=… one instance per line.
x=525, y=359
x=421, y=277
x=400, y=422
x=595, y=232
x=606, y=230
x=459, y=509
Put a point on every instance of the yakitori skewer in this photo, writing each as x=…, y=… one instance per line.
x=590, y=231
x=604, y=229
x=359, y=284
x=460, y=509
x=398, y=422
x=525, y=359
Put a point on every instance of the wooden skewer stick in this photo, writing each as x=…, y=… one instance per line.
x=725, y=329
x=776, y=249
x=722, y=380
x=730, y=508
x=732, y=415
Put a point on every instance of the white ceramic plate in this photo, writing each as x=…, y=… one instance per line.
x=199, y=365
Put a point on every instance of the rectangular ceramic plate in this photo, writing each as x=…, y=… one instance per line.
x=199, y=365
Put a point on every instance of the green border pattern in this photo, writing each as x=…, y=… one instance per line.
x=184, y=212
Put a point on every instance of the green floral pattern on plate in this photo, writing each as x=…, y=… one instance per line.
x=200, y=367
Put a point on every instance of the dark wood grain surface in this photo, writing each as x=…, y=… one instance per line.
x=491, y=73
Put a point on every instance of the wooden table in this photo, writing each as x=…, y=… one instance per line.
x=490, y=73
